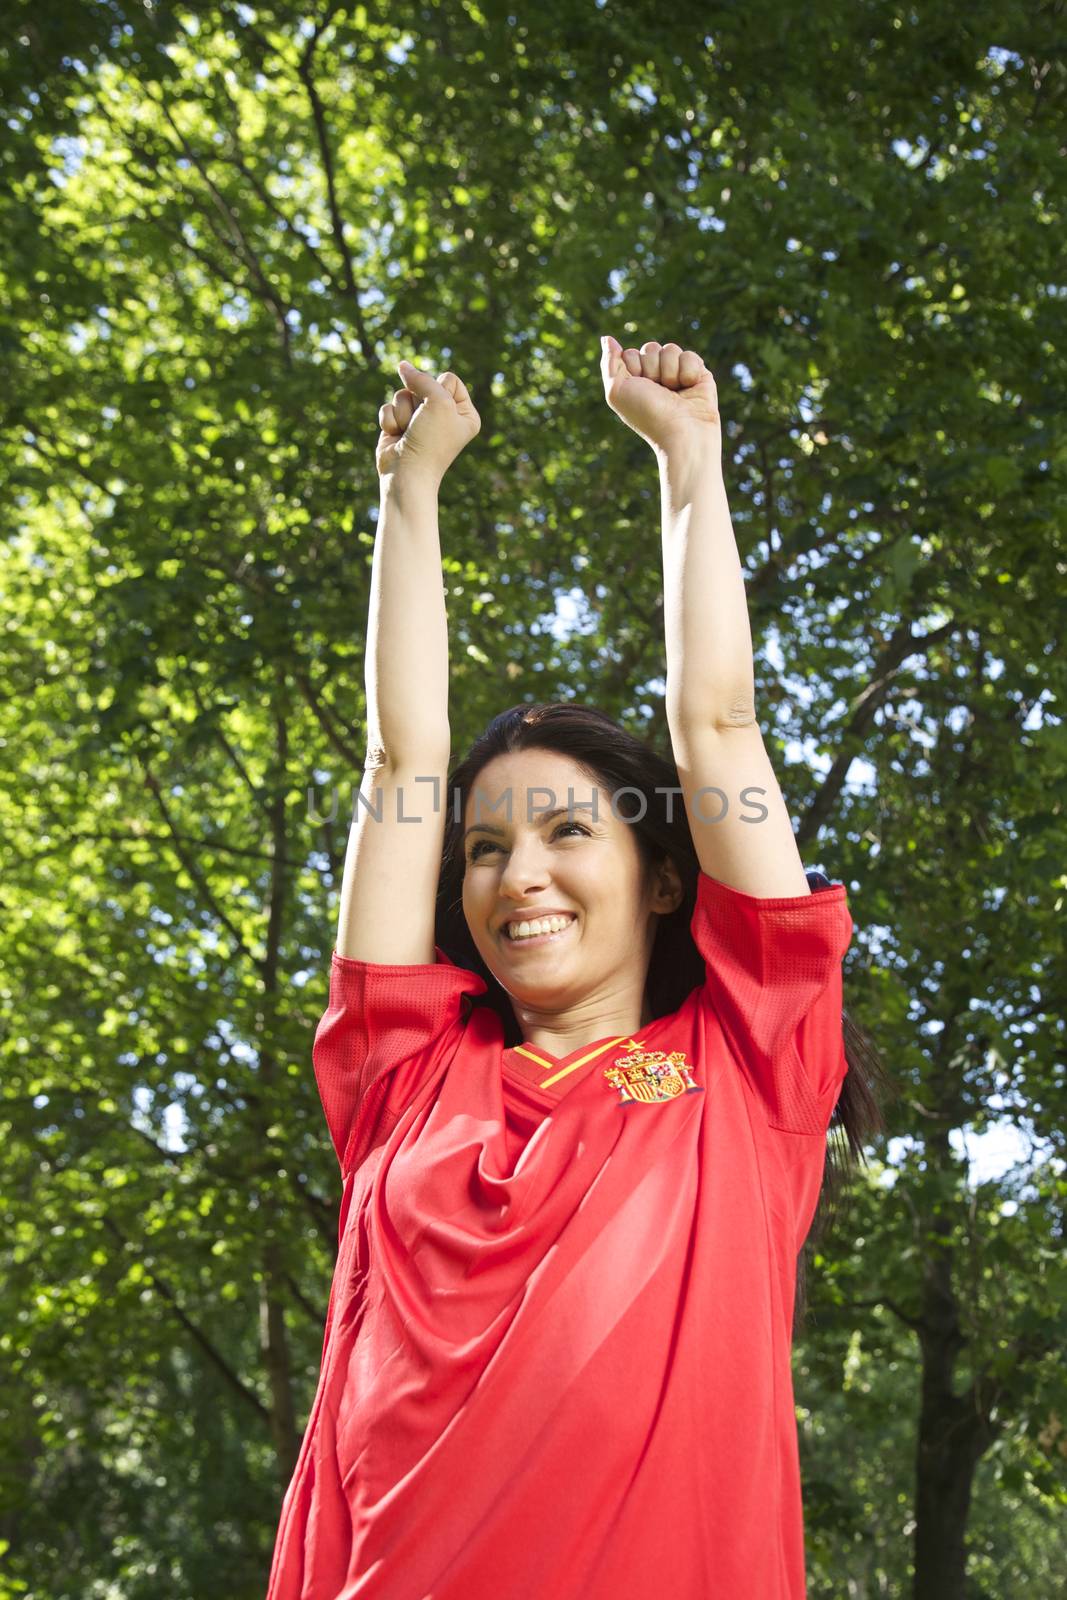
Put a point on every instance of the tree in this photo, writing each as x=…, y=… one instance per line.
x=222, y=226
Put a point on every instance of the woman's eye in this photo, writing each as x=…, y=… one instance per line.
x=487, y=844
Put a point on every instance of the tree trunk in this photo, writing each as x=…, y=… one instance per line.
x=273, y=1334
x=274, y=1348
x=952, y=1440
x=954, y=1433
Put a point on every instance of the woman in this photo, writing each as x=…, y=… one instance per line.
x=581, y=1154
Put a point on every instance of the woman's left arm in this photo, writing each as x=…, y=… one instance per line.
x=740, y=825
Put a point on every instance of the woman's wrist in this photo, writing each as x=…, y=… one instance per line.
x=410, y=485
x=689, y=470
x=689, y=454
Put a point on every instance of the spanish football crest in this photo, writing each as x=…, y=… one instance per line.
x=649, y=1076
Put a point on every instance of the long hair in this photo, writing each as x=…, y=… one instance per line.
x=615, y=760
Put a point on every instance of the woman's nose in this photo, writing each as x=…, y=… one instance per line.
x=526, y=867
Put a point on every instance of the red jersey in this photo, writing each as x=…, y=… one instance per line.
x=556, y=1363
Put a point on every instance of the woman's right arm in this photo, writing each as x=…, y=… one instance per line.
x=393, y=860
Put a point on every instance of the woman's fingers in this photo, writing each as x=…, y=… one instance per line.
x=666, y=364
x=669, y=356
x=663, y=363
x=650, y=353
x=678, y=394
x=424, y=386
x=395, y=415
x=426, y=423
x=421, y=384
x=454, y=386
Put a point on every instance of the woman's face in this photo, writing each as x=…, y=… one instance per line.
x=583, y=863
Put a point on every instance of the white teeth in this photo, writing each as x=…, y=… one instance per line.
x=529, y=930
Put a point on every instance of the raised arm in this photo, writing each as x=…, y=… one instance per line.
x=393, y=860
x=743, y=840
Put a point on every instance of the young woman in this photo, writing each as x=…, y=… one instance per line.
x=583, y=1046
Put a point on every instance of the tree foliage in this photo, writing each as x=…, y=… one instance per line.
x=221, y=226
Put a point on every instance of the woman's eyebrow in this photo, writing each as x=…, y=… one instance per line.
x=577, y=805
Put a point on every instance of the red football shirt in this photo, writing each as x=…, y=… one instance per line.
x=557, y=1351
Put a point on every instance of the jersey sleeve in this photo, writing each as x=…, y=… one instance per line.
x=379, y=1036
x=774, y=980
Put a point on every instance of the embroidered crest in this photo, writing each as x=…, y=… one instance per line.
x=649, y=1076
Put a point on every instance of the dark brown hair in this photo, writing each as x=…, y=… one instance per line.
x=615, y=760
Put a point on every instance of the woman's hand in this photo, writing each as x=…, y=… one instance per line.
x=664, y=393
x=425, y=425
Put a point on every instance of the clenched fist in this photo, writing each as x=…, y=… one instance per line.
x=664, y=393
x=425, y=425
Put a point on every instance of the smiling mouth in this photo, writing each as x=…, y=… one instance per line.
x=537, y=939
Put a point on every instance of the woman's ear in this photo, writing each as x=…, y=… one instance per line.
x=668, y=889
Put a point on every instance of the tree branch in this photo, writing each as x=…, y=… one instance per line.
x=305, y=69
x=901, y=645
x=214, y=1355
x=151, y=782
x=255, y=789
x=325, y=718
x=115, y=836
x=238, y=240
x=910, y=1320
